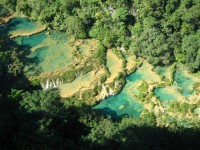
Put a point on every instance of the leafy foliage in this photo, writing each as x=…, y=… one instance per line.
x=160, y=31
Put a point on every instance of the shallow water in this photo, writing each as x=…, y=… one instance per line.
x=120, y=105
x=49, y=51
x=184, y=82
x=114, y=65
x=144, y=73
x=126, y=102
x=163, y=94
x=84, y=81
x=21, y=24
x=182, y=86
x=46, y=52
x=30, y=41
x=18, y=25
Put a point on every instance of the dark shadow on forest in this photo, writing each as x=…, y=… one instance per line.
x=66, y=130
x=8, y=45
x=151, y=138
x=20, y=129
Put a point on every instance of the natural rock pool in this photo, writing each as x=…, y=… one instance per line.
x=165, y=94
x=185, y=82
x=21, y=26
x=182, y=87
x=49, y=51
x=126, y=102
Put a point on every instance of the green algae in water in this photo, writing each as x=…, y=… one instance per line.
x=126, y=103
x=84, y=50
x=51, y=58
x=143, y=73
x=18, y=25
x=39, y=55
x=163, y=94
x=120, y=105
x=182, y=87
x=21, y=24
x=31, y=41
x=50, y=52
x=184, y=82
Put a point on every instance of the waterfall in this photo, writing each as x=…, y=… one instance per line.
x=51, y=83
x=47, y=84
x=57, y=81
x=106, y=93
x=54, y=85
x=42, y=85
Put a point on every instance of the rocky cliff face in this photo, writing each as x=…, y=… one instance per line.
x=107, y=91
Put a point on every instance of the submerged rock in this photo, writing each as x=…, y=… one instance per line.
x=121, y=107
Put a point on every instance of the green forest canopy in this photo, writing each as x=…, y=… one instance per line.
x=160, y=31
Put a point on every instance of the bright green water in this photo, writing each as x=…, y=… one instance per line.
x=45, y=51
x=162, y=71
x=163, y=94
x=184, y=82
x=50, y=52
x=143, y=73
x=120, y=105
x=126, y=103
x=28, y=42
x=39, y=55
x=60, y=37
x=21, y=25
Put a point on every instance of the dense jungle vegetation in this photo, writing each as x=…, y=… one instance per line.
x=161, y=31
